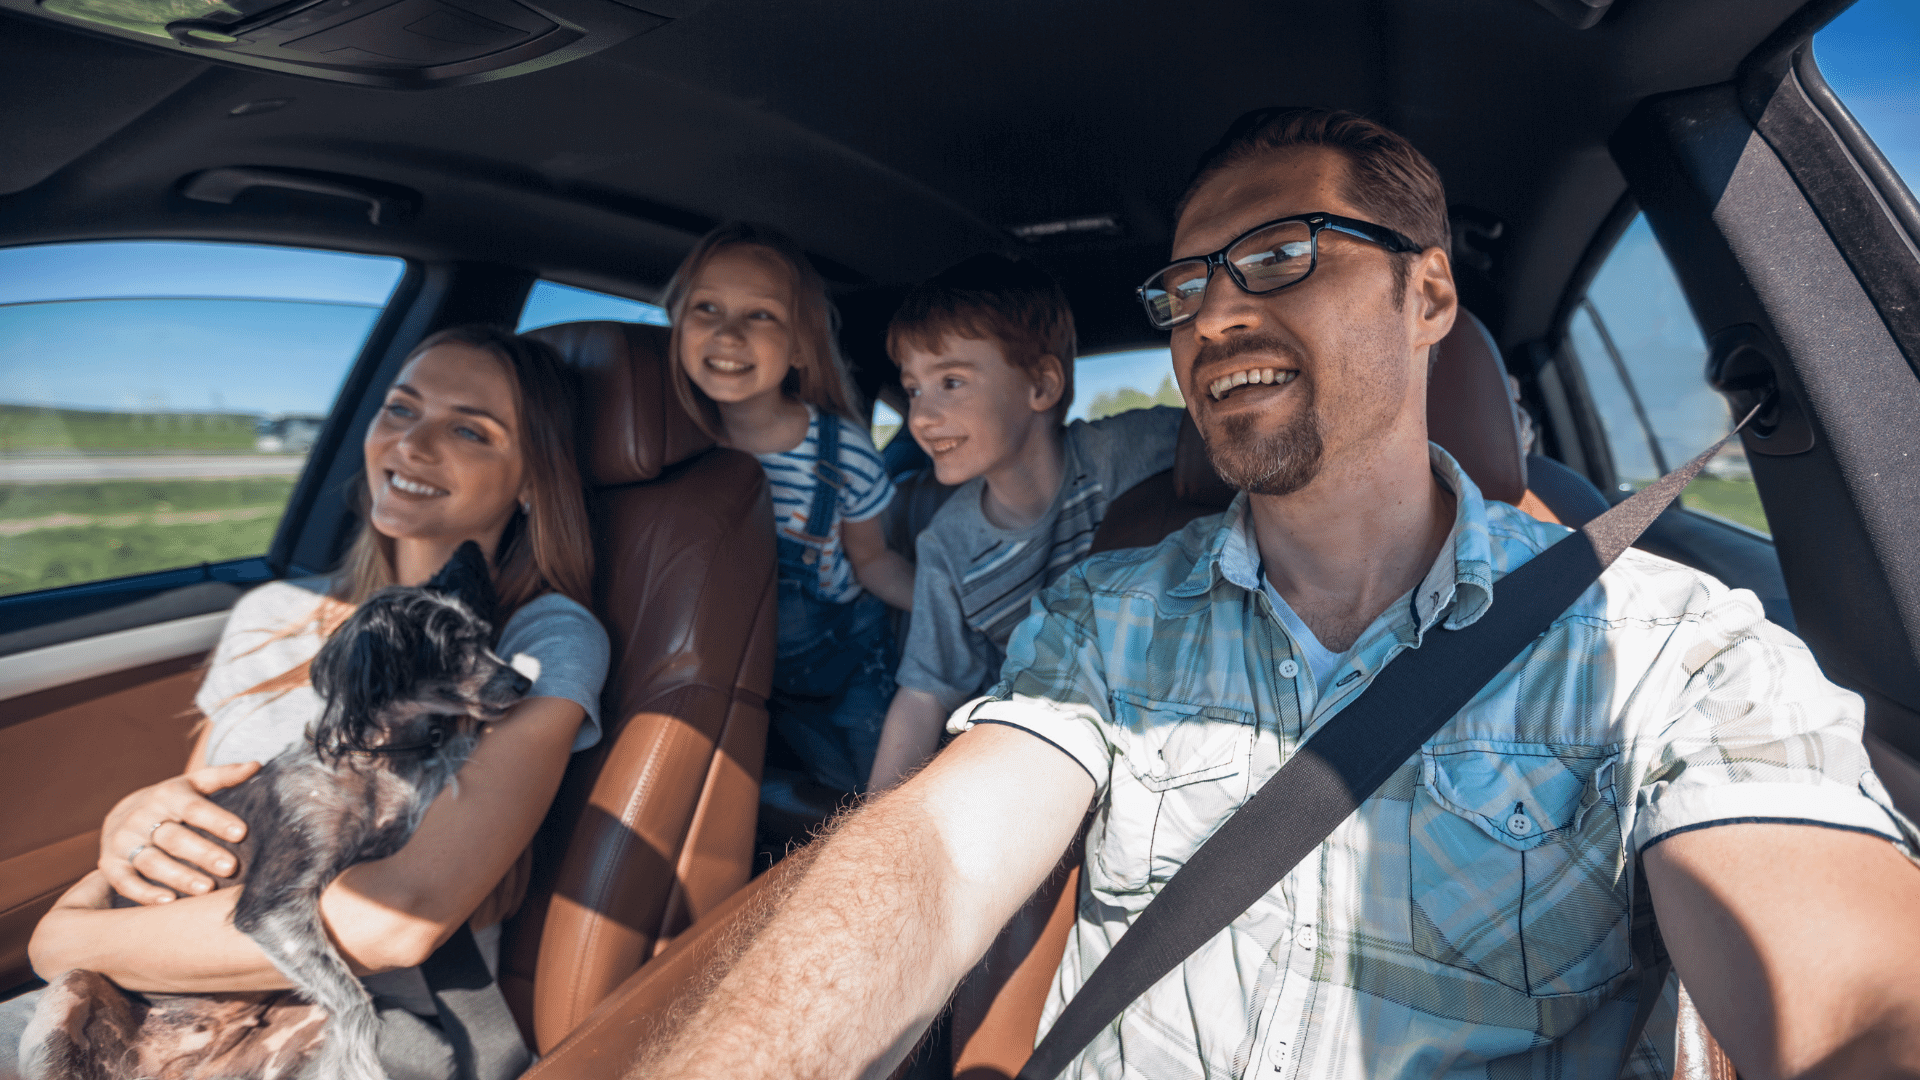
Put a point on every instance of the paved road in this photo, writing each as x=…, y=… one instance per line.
x=43, y=470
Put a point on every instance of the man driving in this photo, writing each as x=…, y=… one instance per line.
x=1661, y=749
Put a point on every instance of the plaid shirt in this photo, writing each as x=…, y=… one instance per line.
x=1477, y=915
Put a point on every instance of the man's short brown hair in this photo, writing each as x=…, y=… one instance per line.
x=1010, y=302
x=1387, y=180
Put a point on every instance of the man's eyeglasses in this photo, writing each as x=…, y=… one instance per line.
x=1260, y=260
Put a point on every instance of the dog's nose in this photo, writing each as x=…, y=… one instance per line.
x=521, y=684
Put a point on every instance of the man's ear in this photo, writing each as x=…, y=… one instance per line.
x=1049, y=382
x=1432, y=301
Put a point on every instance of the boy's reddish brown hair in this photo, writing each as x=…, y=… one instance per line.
x=1010, y=302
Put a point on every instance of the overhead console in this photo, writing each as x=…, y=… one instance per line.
x=400, y=44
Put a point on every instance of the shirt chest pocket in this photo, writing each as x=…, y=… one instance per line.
x=1517, y=870
x=1184, y=769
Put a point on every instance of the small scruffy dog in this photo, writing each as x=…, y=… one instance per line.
x=408, y=679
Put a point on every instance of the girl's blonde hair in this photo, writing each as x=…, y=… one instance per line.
x=817, y=375
x=548, y=548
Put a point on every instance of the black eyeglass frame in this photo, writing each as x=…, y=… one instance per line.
x=1317, y=222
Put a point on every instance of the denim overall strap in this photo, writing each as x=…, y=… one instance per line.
x=828, y=478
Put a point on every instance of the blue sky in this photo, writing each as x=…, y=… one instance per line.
x=161, y=325
x=1870, y=55
x=273, y=329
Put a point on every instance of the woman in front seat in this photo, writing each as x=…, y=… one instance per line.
x=755, y=363
x=475, y=441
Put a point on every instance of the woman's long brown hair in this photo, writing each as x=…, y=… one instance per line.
x=817, y=374
x=546, y=549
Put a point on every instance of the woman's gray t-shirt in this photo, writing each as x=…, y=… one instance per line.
x=256, y=645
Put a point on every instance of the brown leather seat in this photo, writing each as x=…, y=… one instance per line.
x=653, y=828
x=1470, y=413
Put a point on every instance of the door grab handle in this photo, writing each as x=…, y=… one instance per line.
x=226, y=184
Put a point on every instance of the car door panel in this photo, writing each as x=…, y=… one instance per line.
x=69, y=751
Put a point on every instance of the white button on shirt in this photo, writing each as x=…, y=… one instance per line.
x=1519, y=824
x=1288, y=669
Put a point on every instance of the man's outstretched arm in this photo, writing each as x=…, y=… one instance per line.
x=896, y=908
x=1799, y=945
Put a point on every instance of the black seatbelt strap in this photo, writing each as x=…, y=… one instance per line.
x=1345, y=762
x=473, y=1015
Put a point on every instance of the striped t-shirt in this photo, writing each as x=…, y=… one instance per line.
x=866, y=493
x=973, y=582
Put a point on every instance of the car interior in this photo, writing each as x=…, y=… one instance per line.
x=500, y=154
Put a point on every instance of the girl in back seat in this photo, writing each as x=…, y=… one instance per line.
x=756, y=364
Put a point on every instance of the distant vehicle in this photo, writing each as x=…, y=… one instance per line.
x=290, y=434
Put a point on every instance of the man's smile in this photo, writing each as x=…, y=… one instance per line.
x=1226, y=384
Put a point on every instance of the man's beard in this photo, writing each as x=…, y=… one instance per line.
x=1276, y=463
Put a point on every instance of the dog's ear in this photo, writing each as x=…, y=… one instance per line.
x=468, y=579
x=366, y=663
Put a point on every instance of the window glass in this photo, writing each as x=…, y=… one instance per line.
x=157, y=399
x=1870, y=55
x=886, y=424
x=1644, y=361
x=550, y=302
x=1118, y=382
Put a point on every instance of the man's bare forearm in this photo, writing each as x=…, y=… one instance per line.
x=896, y=907
x=1796, y=942
x=827, y=981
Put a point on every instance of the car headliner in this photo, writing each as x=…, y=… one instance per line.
x=892, y=139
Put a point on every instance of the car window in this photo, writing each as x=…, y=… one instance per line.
x=550, y=302
x=886, y=424
x=1869, y=56
x=1108, y=383
x=157, y=399
x=1644, y=361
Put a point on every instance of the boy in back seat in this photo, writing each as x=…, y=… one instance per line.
x=986, y=352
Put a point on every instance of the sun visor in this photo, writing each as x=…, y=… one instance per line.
x=404, y=44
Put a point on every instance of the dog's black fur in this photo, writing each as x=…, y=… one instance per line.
x=408, y=679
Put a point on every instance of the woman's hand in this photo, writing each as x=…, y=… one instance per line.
x=167, y=859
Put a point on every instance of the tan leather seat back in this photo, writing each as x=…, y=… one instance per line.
x=1469, y=413
x=653, y=827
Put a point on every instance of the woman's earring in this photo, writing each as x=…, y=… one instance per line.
x=526, y=507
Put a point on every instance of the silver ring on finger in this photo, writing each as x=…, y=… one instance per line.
x=155, y=827
x=135, y=853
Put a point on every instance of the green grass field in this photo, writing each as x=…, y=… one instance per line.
x=69, y=533
x=1736, y=500
x=31, y=429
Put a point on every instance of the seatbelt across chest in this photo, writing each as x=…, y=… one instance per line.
x=1344, y=763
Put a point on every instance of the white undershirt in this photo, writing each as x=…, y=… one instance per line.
x=1324, y=664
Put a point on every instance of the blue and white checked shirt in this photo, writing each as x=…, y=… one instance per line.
x=1476, y=916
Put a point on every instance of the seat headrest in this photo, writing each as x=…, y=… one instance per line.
x=1469, y=413
x=636, y=428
